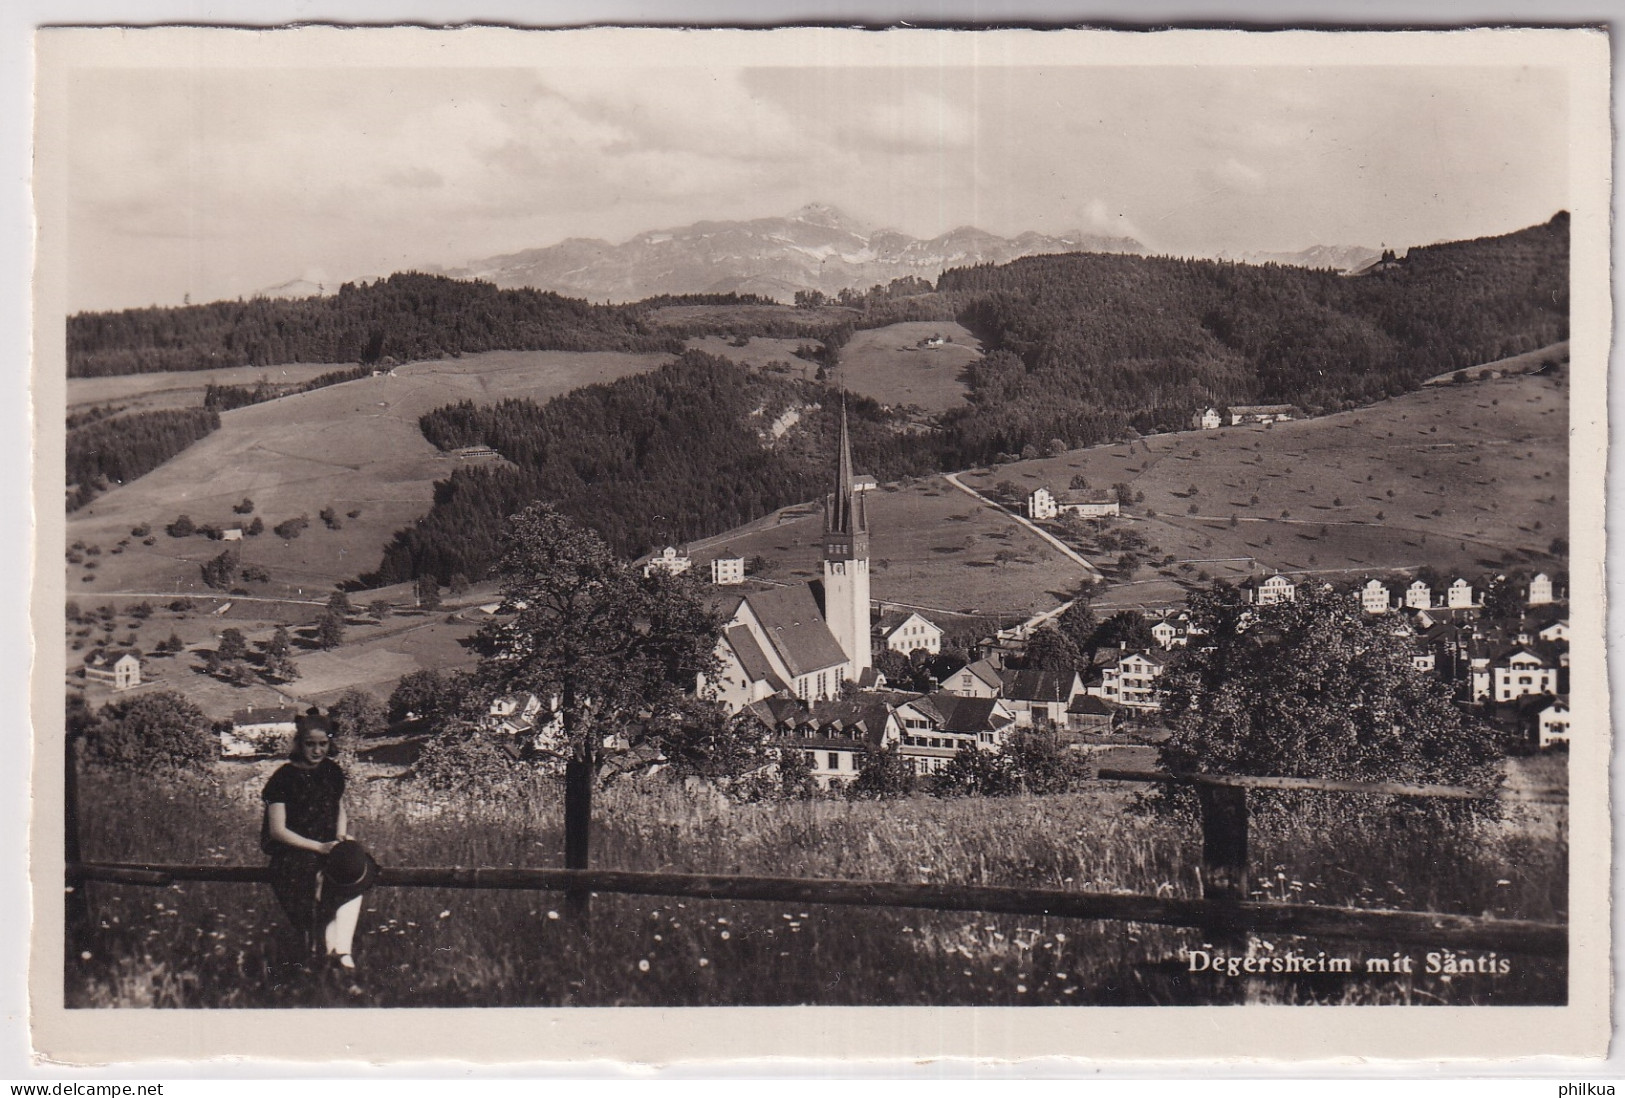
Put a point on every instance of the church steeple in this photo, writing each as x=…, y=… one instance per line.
x=844, y=512
x=846, y=559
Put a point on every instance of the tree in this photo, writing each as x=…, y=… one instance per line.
x=232, y=645
x=255, y=528
x=379, y=608
x=974, y=773
x=428, y=592
x=1312, y=689
x=158, y=731
x=459, y=583
x=279, y=668
x=329, y=630
x=795, y=774
x=246, y=507
x=1080, y=483
x=1124, y=629
x=280, y=644
x=1077, y=622
x=709, y=743
x=1049, y=649
x=1037, y=762
x=1504, y=598
x=339, y=603
x=1124, y=494
x=181, y=528
x=357, y=715
x=620, y=651
x=882, y=773
x=418, y=692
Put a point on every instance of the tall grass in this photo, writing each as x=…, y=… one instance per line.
x=216, y=945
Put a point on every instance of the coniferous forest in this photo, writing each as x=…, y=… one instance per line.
x=116, y=450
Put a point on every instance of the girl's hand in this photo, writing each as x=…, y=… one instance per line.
x=327, y=848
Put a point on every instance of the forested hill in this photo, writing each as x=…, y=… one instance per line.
x=663, y=457
x=406, y=316
x=1154, y=339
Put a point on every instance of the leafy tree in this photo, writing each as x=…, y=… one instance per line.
x=1312, y=689
x=1504, y=598
x=795, y=774
x=428, y=592
x=974, y=773
x=232, y=645
x=339, y=603
x=709, y=743
x=238, y=673
x=882, y=773
x=1049, y=649
x=288, y=529
x=280, y=644
x=420, y=692
x=255, y=528
x=895, y=666
x=329, y=630
x=462, y=759
x=221, y=571
x=182, y=527
x=1124, y=629
x=459, y=583
x=1124, y=494
x=157, y=731
x=1038, y=763
x=620, y=650
x=357, y=715
x=279, y=668
x=246, y=507
x=379, y=608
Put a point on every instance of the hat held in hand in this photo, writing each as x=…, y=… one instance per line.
x=349, y=869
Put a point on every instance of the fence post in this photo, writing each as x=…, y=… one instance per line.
x=76, y=904
x=1225, y=877
x=578, y=776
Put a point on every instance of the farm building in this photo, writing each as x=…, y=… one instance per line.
x=1040, y=696
x=1261, y=413
x=728, y=571
x=1557, y=631
x=1090, y=714
x=254, y=732
x=668, y=560
x=115, y=667
x=1044, y=504
x=905, y=631
x=1208, y=419
x=1540, y=590
x=1553, y=723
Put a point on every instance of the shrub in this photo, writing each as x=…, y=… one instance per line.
x=289, y=529
x=464, y=759
x=181, y=528
x=159, y=731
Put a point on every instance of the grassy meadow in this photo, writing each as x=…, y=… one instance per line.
x=889, y=364
x=354, y=447
x=217, y=945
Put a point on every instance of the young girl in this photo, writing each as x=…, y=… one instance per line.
x=304, y=821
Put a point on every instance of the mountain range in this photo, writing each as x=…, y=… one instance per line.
x=816, y=248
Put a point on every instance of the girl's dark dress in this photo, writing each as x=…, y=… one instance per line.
x=311, y=797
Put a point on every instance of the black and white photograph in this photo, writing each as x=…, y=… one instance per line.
x=825, y=519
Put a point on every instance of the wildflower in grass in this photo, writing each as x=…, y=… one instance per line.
x=658, y=938
x=445, y=914
x=1021, y=989
x=552, y=914
x=643, y=965
x=726, y=935
x=84, y=955
x=704, y=962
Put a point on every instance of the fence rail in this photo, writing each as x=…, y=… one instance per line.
x=1458, y=932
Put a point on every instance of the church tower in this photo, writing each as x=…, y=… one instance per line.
x=846, y=561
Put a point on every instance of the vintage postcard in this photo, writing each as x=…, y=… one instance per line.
x=992, y=544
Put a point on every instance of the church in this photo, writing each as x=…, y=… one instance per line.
x=802, y=640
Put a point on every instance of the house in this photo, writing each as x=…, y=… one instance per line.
x=728, y=571
x=1130, y=680
x=668, y=560
x=1520, y=673
x=1089, y=714
x=526, y=720
x=834, y=735
x=1557, y=631
x=1040, y=697
x=905, y=631
x=1553, y=723
x=1459, y=595
x=1172, y=631
x=1261, y=413
x=116, y=667
x=1044, y=504
x=1540, y=590
x=934, y=727
x=1275, y=589
x=1374, y=597
x=864, y=482
x=234, y=532
x=981, y=679
x=1208, y=419
x=257, y=732
x=1419, y=596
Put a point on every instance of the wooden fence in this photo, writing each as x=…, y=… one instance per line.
x=1223, y=910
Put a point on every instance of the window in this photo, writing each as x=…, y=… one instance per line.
x=834, y=760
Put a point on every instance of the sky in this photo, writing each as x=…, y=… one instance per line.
x=202, y=184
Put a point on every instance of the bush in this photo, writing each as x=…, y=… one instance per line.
x=289, y=529
x=181, y=528
x=159, y=731
x=464, y=759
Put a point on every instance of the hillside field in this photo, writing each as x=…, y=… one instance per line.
x=351, y=447
x=1465, y=478
x=184, y=388
x=890, y=365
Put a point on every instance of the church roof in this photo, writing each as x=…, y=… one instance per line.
x=751, y=657
x=796, y=629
